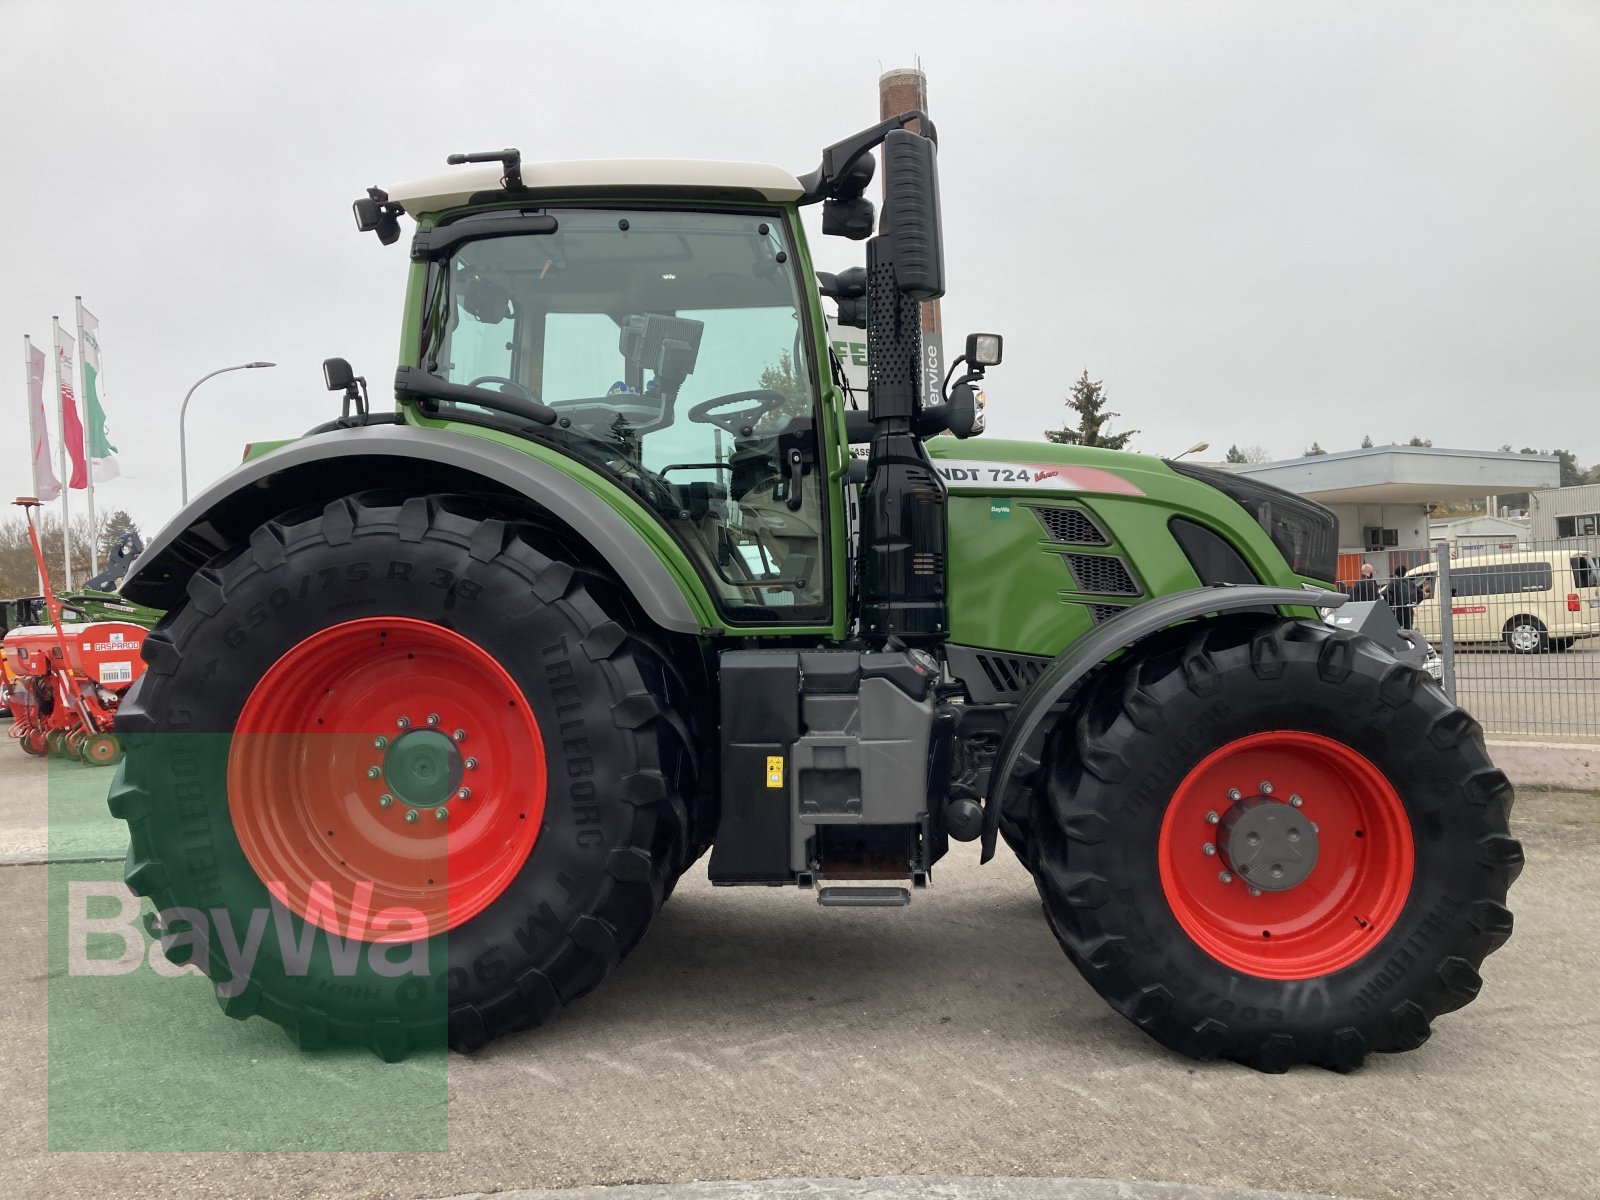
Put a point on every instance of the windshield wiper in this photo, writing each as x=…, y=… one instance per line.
x=414, y=381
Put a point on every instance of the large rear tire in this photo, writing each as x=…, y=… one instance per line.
x=416, y=697
x=1387, y=823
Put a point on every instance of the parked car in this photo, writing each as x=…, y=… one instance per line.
x=1533, y=600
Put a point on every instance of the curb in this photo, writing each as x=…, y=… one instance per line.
x=1568, y=766
x=901, y=1187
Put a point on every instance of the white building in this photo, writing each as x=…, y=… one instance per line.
x=1382, y=493
x=1481, y=534
x=1569, y=512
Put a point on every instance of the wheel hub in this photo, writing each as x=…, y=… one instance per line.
x=422, y=768
x=1268, y=843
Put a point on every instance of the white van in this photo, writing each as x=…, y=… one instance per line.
x=1533, y=600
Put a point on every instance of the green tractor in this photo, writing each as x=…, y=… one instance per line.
x=448, y=696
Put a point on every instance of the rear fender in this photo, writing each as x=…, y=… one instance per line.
x=1068, y=669
x=323, y=467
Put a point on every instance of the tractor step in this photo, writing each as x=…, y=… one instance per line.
x=863, y=897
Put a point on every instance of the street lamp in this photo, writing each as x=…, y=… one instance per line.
x=1194, y=449
x=183, y=445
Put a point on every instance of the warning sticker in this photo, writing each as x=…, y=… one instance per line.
x=774, y=770
x=116, y=672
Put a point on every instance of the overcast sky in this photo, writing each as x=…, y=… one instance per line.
x=1261, y=223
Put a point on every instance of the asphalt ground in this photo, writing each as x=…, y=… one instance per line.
x=1554, y=697
x=756, y=1036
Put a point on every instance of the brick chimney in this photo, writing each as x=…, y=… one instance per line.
x=901, y=90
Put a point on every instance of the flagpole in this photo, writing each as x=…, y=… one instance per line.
x=83, y=390
x=33, y=425
x=66, y=491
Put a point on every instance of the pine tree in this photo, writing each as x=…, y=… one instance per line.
x=1088, y=400
x=1235, y=455
x=112, y=528
x=1366, y=442
x=1313, y=450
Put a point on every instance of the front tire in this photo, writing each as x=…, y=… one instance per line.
x=413, y=706
x=1387, y=883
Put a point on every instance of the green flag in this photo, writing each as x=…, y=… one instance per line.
x=98, y=444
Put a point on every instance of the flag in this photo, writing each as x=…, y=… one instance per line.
x=71, y=426
x=100, y=449
x=45, y=484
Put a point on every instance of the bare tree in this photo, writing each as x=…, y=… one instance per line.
x=18, y=574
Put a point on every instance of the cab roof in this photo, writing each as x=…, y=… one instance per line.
x=714, y=180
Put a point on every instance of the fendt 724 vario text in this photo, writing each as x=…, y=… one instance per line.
x=448, y=696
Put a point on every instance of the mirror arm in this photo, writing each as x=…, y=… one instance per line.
x=975, y=375
x=838, y=158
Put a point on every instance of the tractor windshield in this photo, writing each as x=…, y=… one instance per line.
x=674, y=346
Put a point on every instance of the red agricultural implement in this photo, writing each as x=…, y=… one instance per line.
x=68, y=676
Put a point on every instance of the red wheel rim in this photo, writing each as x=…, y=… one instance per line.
x=1353, y=893
x=385, y=774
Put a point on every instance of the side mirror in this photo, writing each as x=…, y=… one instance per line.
x=337, y=374
x=966, y=411
x=911, y=214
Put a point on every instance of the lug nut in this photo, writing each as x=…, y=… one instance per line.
x=471, y=764
x=374, y=772
x=1235, y=794
x=459, y=735
x=1212, y=818
x=402, y=722
x=380, y=742
x=1255, y=891
x=1296, y=801
x=441, y=813
x=385, y=800
x=411, y=816
x=1224, y=876
x=1266, y=787
x=464, y=794
x=433, y=718
x=1209, y=849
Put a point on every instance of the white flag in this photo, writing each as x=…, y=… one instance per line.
x=45, y=484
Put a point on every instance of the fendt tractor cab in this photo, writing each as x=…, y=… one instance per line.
x=472, y=680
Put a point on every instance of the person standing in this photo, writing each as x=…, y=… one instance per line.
x=1365, y=588
x=1402, y=595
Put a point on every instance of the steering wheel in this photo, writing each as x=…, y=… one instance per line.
x=758, y=402
x=517, y=388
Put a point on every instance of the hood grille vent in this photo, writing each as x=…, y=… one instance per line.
x=1101, y=574
x=1072, y=526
